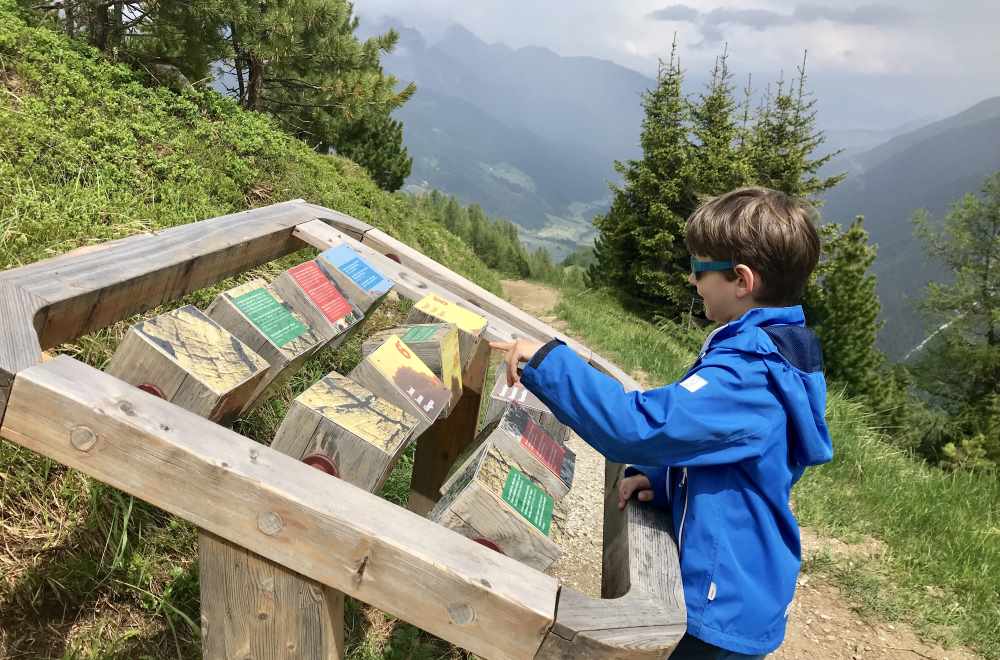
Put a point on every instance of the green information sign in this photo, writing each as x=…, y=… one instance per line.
x=270, y=316
x=420, y=333
x=529, y=500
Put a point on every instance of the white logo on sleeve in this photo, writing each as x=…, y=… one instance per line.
x=693, y=383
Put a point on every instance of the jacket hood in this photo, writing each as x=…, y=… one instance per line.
x=794, y=360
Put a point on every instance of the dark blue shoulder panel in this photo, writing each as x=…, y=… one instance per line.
x=798, y=345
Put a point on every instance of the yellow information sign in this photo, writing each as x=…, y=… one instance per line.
x=449, y=312
x=354, y=408
x=401, y=366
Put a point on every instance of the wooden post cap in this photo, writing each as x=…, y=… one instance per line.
x=317, y=298
x=361, y=434
x=436, y=344
x=185, y=357
x=256, y=314
x=395, y=373
x=492, y=497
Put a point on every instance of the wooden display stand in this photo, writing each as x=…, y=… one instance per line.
x=432, y=308
x=502, y=396
x=273, y=509
x=190, y=360
x=362, y=283
x=491, y=499
x=259, y=318
x=360, y=434
x=318, y=299
x=394, y=373
x=436, y=344
x=543, y=458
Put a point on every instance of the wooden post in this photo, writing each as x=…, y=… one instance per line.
x=258, y=317
x=362, y=435
x=394, y=373
x=311, y=293
x=445, y=441
x=187, y=358
x=502, y=396
x=359, y=280
x=543, y=458
x=436, y=344
x=491, y=499
x=432, y=308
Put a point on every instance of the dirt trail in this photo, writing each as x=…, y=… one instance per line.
x=822, y=624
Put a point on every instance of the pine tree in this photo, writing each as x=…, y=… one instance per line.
x=640, y=246
x=964, y=368
x=843, y=308
x=784, y=136
x=721, y=164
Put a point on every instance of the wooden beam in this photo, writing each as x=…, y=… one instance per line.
x=90, y=289
x=281, y=509
x=19, y=347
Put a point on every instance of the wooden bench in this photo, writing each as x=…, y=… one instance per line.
x=261, y=500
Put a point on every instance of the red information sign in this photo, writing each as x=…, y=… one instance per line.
x=321, y=290
x=549, y=452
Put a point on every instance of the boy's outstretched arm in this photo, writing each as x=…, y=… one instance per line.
x=715, y=415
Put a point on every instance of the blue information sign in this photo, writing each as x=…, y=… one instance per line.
x=350, y=263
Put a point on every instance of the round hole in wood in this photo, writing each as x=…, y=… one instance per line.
x=323, y=463
x=149, y=388
x=390, y=255
x=490, y=544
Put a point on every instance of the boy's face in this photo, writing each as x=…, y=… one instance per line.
x=724, y=299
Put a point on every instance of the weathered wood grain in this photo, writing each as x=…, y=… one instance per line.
x=19, y=346
x=448, y=438
x=281, y=509
x=362, y=434
x=436, y=344
x=313, y=295
x=503, y=396
x=363, y=284
x=491, y=498
x=433, y=308
x=89, y=290
x=542, y=457
x=394, y=373
x=256, y=315
x=192, y=361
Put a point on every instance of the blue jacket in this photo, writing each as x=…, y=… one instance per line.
x=722, y=448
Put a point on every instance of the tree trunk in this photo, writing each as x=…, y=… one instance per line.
x=256, y=82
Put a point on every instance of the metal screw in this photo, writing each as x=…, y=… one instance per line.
x=270, y=523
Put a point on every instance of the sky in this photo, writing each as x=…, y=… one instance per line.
x=872, y=65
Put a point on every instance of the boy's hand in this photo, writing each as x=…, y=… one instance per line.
x=629, y=485
x=521, y=350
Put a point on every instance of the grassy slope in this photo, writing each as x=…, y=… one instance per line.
x=940, y=532
x=89, y=154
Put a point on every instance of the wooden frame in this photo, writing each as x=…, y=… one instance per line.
x=284, y=510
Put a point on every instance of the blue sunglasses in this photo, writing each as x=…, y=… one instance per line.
x=699, y=266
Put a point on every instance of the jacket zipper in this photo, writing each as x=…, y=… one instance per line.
x=680, y=533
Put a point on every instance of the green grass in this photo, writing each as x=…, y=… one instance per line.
x=940, y=567
x=90, y=153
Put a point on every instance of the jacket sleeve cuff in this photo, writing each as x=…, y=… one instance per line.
x=540, y=354
x=657, y=479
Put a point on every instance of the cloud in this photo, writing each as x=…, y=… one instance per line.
x=710, y=23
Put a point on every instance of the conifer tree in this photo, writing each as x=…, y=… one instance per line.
x=640, y=246
x=721, y=163
x=963, y=370
x=843, y=308
x=784, y=136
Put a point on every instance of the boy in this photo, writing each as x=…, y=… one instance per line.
x=723, y=446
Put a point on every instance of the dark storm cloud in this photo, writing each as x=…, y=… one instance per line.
x=710, y=23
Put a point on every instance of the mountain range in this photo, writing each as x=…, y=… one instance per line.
x=532, y=136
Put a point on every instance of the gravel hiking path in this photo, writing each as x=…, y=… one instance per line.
x=822, y=624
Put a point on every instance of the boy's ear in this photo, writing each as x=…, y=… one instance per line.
x=746, y=280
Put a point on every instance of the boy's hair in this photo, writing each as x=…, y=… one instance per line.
x=767, y=230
